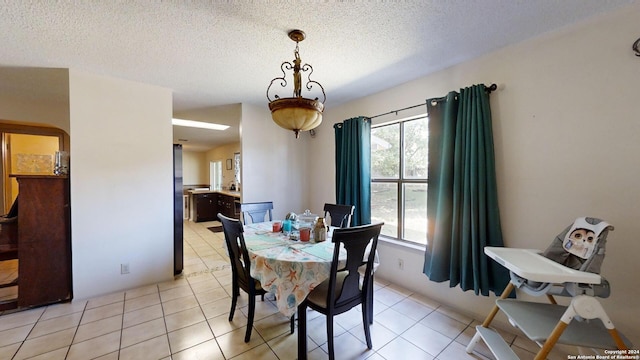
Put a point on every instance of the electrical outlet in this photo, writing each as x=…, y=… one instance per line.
x=400, y=264
x=124, y=268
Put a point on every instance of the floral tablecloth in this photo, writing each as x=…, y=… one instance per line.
x=289, y=269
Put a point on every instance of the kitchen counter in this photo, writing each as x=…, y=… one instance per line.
x=223, y=192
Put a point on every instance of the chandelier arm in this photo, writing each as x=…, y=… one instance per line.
x=309, y=85
x=283, y=81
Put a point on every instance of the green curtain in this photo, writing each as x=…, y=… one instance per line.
x=462, y=197
x=353, y=167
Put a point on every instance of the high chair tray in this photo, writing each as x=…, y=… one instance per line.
x=531, y=265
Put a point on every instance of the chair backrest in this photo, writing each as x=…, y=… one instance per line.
x=237, y=249
x=561, y=247
x=340, y=214
x=355, y=241
x=257, y=211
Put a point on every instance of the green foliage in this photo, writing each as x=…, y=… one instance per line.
x=385, y=150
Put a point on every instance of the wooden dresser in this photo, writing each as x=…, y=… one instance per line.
x=44, y=240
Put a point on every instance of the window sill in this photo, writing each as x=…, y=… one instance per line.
x=401, y=244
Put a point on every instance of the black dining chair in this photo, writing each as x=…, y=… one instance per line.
x=341, y=217
x=340, y=214
x=240, y=265
x=342, y=290
x=256, y=211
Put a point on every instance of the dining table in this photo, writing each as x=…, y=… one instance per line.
x=288, y=268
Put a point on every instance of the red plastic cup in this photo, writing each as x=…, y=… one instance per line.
x=277, y=226
x=305, y=234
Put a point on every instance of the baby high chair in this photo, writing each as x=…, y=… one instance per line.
x=570, y=266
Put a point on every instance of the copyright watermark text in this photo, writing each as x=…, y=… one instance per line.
x=631, y=354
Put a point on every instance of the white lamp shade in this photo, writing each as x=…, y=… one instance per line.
x=297, y=114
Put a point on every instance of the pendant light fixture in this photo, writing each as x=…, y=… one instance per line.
x=296, y=113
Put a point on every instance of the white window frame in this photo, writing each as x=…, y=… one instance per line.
x=400, y=181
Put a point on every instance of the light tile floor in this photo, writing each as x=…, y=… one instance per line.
x=187, y=318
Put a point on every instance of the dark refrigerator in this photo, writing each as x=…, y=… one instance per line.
x=178, y=256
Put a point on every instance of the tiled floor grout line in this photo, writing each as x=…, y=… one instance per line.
x=164, y=321
x=30, y=331
x=124, y=304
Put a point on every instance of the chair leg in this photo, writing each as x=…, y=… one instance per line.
x=370, y=300
x=234, y=300
x=366, y=322
x=332, y=355
x=302, y=331
x=252, y=311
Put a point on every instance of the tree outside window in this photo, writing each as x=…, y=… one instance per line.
x=399, y=179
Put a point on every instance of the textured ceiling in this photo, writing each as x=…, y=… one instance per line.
x=214, y=53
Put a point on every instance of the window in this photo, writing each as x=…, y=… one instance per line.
x=399, y=178
x=236, y=160
x=215, y=174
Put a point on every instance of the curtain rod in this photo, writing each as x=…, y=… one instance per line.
x=488, y=89
x=396, y=111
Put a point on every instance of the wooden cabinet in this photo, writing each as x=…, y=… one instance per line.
x=206, y=207
x=44, y=240
x=227, y=206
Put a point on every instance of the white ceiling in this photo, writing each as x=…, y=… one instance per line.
x=213, y=53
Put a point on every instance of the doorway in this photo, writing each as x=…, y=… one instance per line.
x=24, y=150
x=215, y=175
x=25, y=154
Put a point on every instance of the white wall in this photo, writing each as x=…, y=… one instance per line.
x=195, y=169
x=40, y=96
x=121, y=183
x=566, y=127
x=273, y=166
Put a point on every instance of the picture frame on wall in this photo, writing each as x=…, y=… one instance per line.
x=229, y=164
